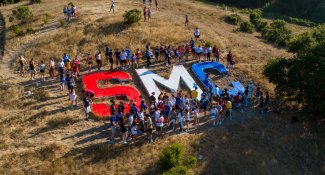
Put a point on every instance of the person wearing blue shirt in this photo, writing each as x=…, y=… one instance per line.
x=148, y=54
x=143, y=106
x=65, y=58
x=134, y=110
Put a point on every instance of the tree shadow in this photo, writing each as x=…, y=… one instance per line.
x=111, y=29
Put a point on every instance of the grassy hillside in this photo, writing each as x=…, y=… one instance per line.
x=42, y=134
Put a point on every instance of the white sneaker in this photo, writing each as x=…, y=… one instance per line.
x=124, y=143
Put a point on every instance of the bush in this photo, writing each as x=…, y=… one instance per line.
x=190, y=161
x=178, y=170
x=11, y=18
x=62, y=22
x=255, y=17
x=132, y=16
x=261, y=26
x=23, y=14
x=29, y=31
x=16, y=29
x=208, y=44
x=171, y=156
x=247, y=27
x=233, y=19
x=278, y=33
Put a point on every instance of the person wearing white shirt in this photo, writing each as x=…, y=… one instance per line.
x=214, y=112
x=196, y=33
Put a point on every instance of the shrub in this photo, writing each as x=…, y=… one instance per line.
x=11, y=18
x=190, y=161
x=16, y=29
x=255, y=17
x=29, y=31
x=178, y=170
x=132, y=16
x=278, y=32
x=171, y=156
x=261, y=26
x=233, y=19
x=247, y=27
x=62, y=22
x=23, y=14
x=208, y=44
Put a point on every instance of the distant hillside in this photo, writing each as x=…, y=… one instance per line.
x=308, y=9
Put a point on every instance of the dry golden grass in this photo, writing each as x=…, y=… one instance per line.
x=41, y=134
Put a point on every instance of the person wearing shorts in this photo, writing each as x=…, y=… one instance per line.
x=123, y=130
x=42, y=70
x=113, y=121
x=149, y=127
x=73, y=96
x=214, y=112
x=87, y=108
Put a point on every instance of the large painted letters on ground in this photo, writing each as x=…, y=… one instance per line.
x=199, y=68
x=149, y=80
x=90, y=83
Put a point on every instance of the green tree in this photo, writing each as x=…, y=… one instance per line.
x=301, y=78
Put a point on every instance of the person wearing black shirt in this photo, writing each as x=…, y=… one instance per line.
x=120, y=108
x=117, y=56
x=152, y=97
x=112, y=108
x=87, y=108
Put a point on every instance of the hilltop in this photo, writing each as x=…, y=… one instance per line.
x=41, y=134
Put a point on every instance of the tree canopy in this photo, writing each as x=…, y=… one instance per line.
x=302, y=77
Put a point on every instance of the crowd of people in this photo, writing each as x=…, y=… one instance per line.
x=171, y=111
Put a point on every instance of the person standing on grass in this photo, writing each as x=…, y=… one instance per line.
x=187, y=119
x=75, y=67
x=89, y=61
x=123, y=130
x=180, y=119
x=73, y=96
x=106, y=51
x=197, y=33
x=112, y=6
x=214, y=112
x=186, y=20
x=156, y=4
x=51, y=70
x=117, y=57
x=22, y=63
x=113, y=121
x=110, y=58
x=128, y=57
x=87, y=108
x=148, y=54
x=99, y=60
x=61, y=66
x=149, y=127
x=42, y=70
x=144, y=2
x=149, y=14
x=150, y=2
x=196, y=113
x=32, y=69
x=209, y=50
x=145, y=13
x=229, y=58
